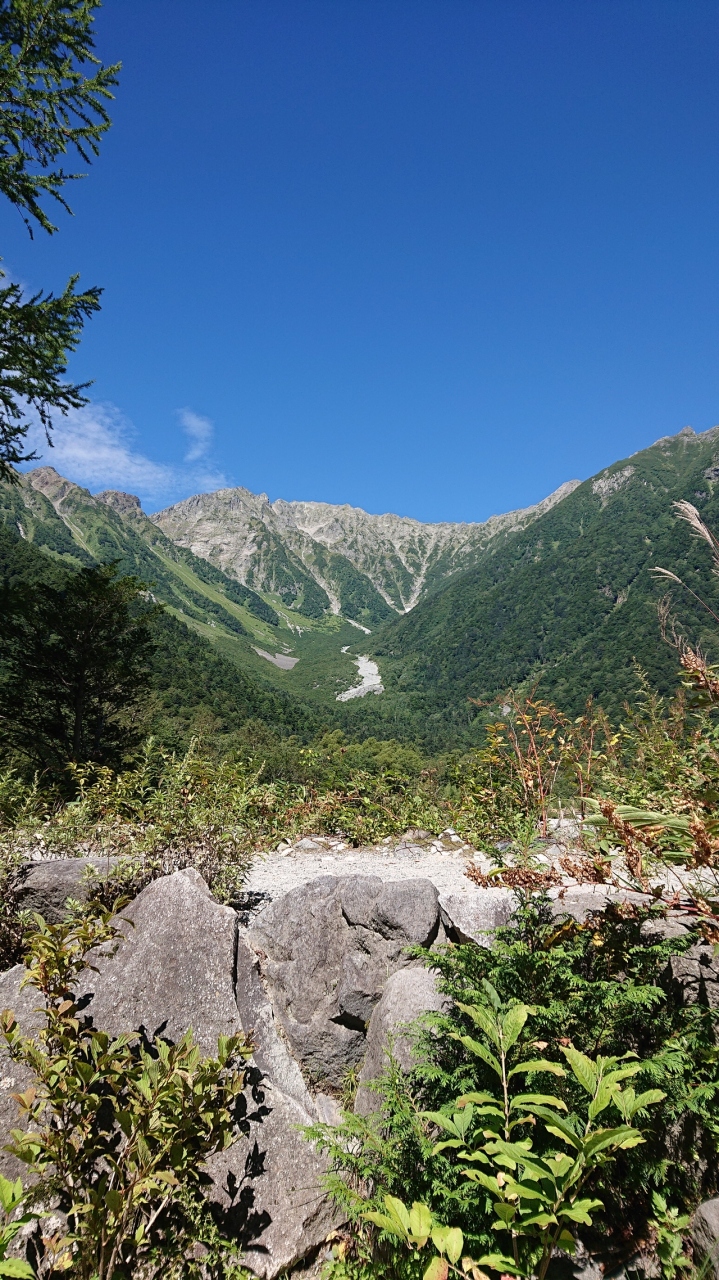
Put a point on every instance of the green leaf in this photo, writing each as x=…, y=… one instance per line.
x=580, y=1210
x=16, y=1267
x=480, y=1051
x=476, y=1175
x=448, y=1240
x=610, y=1138
x=113, y=1200
x=505, y=1212
x=442, y=1122
x=640, y=1101
x=512, y=1025
x=541, y=1220
x=455, y=1243
x=602, y=1098
x=524, y=1190
x=635, y=1141
x=420, y=1221
x=492, y=993
x=537, y=1064
x=500, y=1262
x=517, y=1153
x=384, y=1222
x=438, y=1269
x=10, y=1193
x=485, y=1020
x=558, y=1127
x=530, y=1099
x=583, y=1068
x=398, y=1211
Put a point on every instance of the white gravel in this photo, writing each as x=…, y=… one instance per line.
x=444, y=862
x=370, y=677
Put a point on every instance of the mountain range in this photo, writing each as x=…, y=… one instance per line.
x=293, y=599
x=320, y=558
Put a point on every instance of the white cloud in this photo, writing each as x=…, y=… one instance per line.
x=94, y=446
x=199, y=431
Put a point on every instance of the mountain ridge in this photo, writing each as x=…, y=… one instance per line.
x=389, y=562
x=569, y=605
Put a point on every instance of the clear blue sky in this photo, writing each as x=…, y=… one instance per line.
x=427, y=257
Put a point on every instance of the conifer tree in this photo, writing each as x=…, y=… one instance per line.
x=54, y=95
x=74, y=665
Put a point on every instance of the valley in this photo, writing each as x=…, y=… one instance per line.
x=389, y=627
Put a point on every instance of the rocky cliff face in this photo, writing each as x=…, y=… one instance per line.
x=346, y=560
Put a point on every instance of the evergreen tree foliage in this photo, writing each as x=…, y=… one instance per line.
x=75, y=663
x=53, y=101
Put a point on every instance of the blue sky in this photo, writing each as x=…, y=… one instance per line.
x=433, y=258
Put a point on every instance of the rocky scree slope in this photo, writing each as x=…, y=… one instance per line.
x=318, y=557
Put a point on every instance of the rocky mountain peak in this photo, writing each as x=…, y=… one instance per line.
x=125, y=504
x=344, y=559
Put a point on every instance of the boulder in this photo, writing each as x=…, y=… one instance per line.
x=269, y=1188
x=46, y=886
x=705, y=1235
x=270, y=1182
x=664, y=928
x=176, y=966
x=326, y=951
x=580, y=901
x=693, y=978
x=474, y=916
x=173, y=969
x=407, y=994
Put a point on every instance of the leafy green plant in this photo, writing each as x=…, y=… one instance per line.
x=118, y=1129
x=537, y=1191
x=12, y=1197
x=595, y=985
x=669, y=1224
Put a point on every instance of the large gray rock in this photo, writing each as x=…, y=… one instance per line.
x=269, y=1186
x=693, y=978
x=407, y=994
x=705, y=1235
x=176, y=966
x=474, y=916
x=46, y=886
x=270, y=1182
x=581, y=901
x=326, y=952
x=183, y=965
x=173, y=969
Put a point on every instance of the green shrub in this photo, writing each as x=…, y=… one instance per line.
x=118, y=1129
x=590, y=989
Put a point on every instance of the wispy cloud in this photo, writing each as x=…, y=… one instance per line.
x=199, y=431
x=96, y=447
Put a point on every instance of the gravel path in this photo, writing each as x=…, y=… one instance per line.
x=443, y=861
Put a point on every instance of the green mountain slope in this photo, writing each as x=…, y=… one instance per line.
x=75, y=527
x=569, y=601
x=194, y=688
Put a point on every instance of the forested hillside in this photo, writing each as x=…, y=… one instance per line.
x=193, y=688
x=569, y=602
